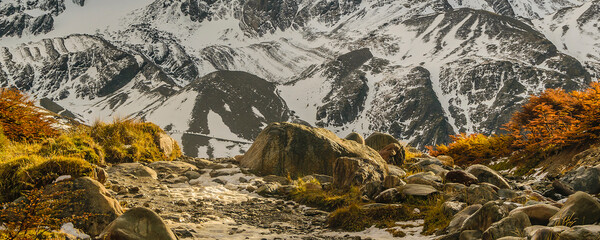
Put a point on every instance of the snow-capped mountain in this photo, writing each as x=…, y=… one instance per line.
x=214, y=72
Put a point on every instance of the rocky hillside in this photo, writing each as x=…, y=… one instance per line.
x=420, y=70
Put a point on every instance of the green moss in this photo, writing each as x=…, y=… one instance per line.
x=131, y=141
x=79, y=145
x=10, y=184
x=325, y=200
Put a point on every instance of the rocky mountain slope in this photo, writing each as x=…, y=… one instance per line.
x=418, y=69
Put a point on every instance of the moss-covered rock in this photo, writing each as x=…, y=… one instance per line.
x=298, y=150
x=379, y=140
x=355, y=137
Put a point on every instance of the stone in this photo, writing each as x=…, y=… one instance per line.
x=101, y=175
x=348, y=172
x=392, y=181
x=176, y=167
x=486, y=174
x=191, y=175
x=508, y=193
x=435, y=169
x=372, y=189
x=457, y=221
x=513, y=225
x=138, y=224
x=426, y=178
x=318, y=177
x=379, y=140
x=446, y=160
x=562, y=188
x=581, y=232
x=581, y=208
x=396, y=171
x=538, y=232
x=538, y=214
x=391, y=195
x=135, y=169
x=270, y=188
x=483, y=218
x=470, y=235
x=478, y=194
x=393, y=154
x=355, y=137
x=417, y=190
x=167, y=145
x=453, y=207
x=462, y=177
x=90, y=197
x=298, y=150
x=276, y=179
x=586, y=179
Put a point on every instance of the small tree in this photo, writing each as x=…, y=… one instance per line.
x=21, y=120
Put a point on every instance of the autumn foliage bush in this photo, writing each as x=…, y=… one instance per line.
x=545, y=125
x=21, y=120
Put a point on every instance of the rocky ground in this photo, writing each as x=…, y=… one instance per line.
x=200, y=199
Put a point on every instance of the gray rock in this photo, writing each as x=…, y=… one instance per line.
x=470, y=235
x=538, y=214
x=486, y=174
x=135, y=169
x=586, y=179
x=478, y=194
x=379, y=140
x=581, y=232
x=393, y=181
x=462, y=177
x=457, y=221
x=192, y=175
x=396, y=171
x=453, y=207
x=349, y=172
x=372, y=189
x=417, y=190
x=513, y=225
x=270, y=188
x=138, y=224
x=581, y=208
x=355, y=137
x=176, y=167
x=425, y=178
x=388, y=196
x=488, y=214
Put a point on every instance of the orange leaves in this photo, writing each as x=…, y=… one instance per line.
x=21, y=120
x=545, y=124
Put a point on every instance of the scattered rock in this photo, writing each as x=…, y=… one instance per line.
x=101, y=175
x=269, y=188
x=462, y=177
x=396, y=171
x=426, y=178
x=478, y=194
x=288, y=148
x=135, y=169
x=453, y=207
x=586, y=179
x=167, y=144
x=446, y=160
x=470, y=235
x=388, y=196
x=176, y=167
x=486, y=174
x=458, y=219
x=417, y=190
x=562, y=188
x=191, y=175
x=393, y=154
x=581, y=208
x=513, y=225
x=138, y=224
x=276, y=179
x=538, y=214
x=393, y=181
x=372, y=189
x=483, y=218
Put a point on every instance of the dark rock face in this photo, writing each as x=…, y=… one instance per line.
x=253, y=103
x=198, y=11
x=349, y=89
x=267, y=16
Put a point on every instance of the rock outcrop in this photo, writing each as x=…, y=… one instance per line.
x=138, y=224
x=298, y=150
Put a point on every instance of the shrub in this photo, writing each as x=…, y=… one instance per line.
x=325, y=200
x=436, y=218
x=76, y=143
x=474, y=148
x=21, y=120
x=131, y=141
x=3, y=140
x=10, y=184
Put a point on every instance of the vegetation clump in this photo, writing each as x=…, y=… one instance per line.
x=21, y=120
x=131, y=141
x=311, y=194
x=357, y=218
x=77, y=143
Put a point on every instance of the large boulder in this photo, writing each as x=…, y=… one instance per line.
x=167, y=145
x=478, y=194
x=538, y=214
x=486, y=174
x=138, y=224
x=87, y=197
x=379, y=140
x=580, y=208
x=393, y=154
x=513, y=225
x=349, y=171
x=298, y=150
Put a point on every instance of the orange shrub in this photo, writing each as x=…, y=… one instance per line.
x=21, y=120
x=474, y=148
